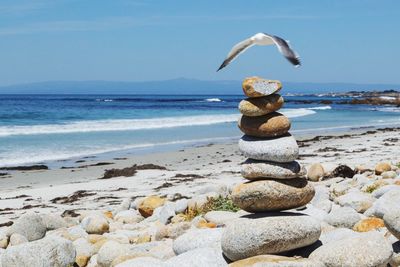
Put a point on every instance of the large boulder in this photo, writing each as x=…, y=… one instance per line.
x=252, y=236
x=47, y=252
x=271, y=195
x=269, y=125
x=281, y=149
x=261, y=105
x=29, y=225
x=368, y=249
x=256, y=170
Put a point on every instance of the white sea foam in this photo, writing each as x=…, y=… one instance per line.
x=213, y=100
x=321, y=108
x=133, y=124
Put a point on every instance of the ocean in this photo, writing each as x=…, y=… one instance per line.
x=52, y=128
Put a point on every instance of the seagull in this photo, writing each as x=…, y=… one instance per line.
x=262, y=39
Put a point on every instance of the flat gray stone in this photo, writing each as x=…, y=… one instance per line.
x=200, y=257
x=29, y=225
x=46, y=252
x=255, y=170
x=197, y=238
x=368, y=249
x=251, y=236
x=281, y=149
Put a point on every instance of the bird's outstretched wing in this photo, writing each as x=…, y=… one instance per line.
x=235, y=51
x=285, y=50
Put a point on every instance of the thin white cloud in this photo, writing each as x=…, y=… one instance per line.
x=23, y=8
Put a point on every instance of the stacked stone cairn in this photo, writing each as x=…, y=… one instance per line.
x=276, y=183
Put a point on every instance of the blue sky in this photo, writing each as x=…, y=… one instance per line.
x=138, y=40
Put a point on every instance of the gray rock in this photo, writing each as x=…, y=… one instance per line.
x=392, y=222
x=198, y=238
x=387, y=202
x=255, y=170
x=200, y=257
x=321, y=198
x=167, y=211
x=248, y=237
x=384, y=189
x=271, y=195
x=314, y=212
x=282, y=149
x=343, y=217
x=17, y=239
x=337, y=234
x=220, y=217
x=53, y=221
x=368, y=249
x=29, y=225
x=357, y=200
x=46, y=252
x=142, y=262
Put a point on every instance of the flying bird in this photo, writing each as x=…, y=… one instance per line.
x=262, y=39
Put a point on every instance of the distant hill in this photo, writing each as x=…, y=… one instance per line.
x=176, y=86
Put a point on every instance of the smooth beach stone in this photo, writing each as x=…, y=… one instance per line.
x=357, y=200
x=29, y=225
x=343, y=217
x=392, y=222
x=368, y=224
x=197, y=238
x=200, y=257
x=255, y=170
x=261, y=105
x=315, y=172
x=46, y=252
x=272, y=195
x=220, y=217
x=147, y=206
x=142, y=262
x=269, y=125
x=252, y=236
x=367, y=249
x=257, y=87
x=95, y=224
x=382, y=167
x=281, y=149
x=275, y=261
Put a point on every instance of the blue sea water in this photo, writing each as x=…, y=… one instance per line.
x=43, y=128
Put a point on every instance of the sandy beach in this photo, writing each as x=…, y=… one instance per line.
x=188, y=172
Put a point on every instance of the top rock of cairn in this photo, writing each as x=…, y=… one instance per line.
x=258, y=87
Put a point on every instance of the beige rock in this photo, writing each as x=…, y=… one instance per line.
x=271, y=195
x=389, y=175
x=95, y=224
x=368, y=224
x=84, y=250
x=149, y=204
x=275, y=261
x=261, y=105
x=382, y=167
x=315, y=172
x=257, y=87
x=3, y=239
x=269, y=125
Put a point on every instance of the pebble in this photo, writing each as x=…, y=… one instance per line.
x=95, y=224
x=29, y=225
x=271, y=195
x=84, y=250
x=389, y=175
x=382, y=167
x=249, y=237
x=275, y=261
x=261, y=105
x=269, y=125
x=181, y=205
x=197, y=238
x=257, y=87
x=368, y=224
x=343, y=217
x=392, y=222
x=357, y=200
x=109, y=251
x=128, y=216
x=315, y=172
x=254, y=169
x=166, y=212
x=281, y=149
x=368, y=249
x=149, y=204
x=46, y=252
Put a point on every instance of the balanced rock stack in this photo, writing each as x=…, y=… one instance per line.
x=276, y=180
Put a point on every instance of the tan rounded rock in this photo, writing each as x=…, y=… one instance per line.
x=257, y=87
x=382, y=167
x=261, y=105
x=149, y=204
x=368, y=224
x=272, y=195
x=315, y=172
x=269, y=125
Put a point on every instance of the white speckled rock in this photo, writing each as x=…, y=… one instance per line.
x=275, y=261
x=53, y=221
x=337, y=234
x=384, y=189
x=254, y=169
x=167, y=211
x=198, y=238
x=181, y=205
x=95, y=224
x=84, y=250
x=128, y=216
x=282, y=149
x=357, y=200
x=392, y=222
x=142, y=262
x=29, y=225
x=17, y=239
x=46, y=252
x=389, y=201
x=220, y=217
x=200, y=257
x=369, y=249
x=343, y=217
x=109, y=251
x=271, y=195
x=248, y=237
x=321, y=198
